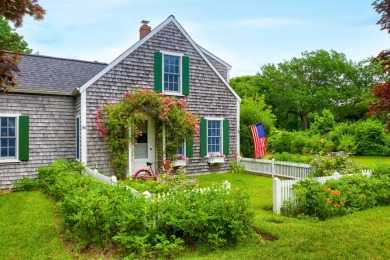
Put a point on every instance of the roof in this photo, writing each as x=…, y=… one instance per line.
x=227, y=65
x=147, y=37
x=55, y=75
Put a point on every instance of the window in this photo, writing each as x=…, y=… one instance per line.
x=181, y=150
x=141, y=149
x=214, y=136
x=8, y=138
x=171, y=73
x=14, y=137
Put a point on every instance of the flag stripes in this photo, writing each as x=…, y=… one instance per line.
x=259, y=140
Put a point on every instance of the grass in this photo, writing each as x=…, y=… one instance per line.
x=370, y=161
x=27, y=227
x=361, y=235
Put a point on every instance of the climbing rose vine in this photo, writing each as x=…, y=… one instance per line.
x=119, y=124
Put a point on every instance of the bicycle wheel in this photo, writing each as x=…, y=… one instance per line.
x=142, y=175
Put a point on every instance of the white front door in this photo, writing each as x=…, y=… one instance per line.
x=144, y=151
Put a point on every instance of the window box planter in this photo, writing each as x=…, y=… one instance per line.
x=179, y=163
x=216, y=160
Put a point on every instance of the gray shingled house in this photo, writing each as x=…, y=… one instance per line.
x=51, y=113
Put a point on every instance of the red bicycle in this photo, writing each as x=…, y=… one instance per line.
x=145, y=173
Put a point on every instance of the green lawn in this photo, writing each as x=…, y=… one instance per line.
x=27, y=229
x=370, y=161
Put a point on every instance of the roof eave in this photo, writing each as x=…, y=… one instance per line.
x=40, y=92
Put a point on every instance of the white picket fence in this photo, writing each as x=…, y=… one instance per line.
x=283, y=191
x=113, y=181
x=274, y=168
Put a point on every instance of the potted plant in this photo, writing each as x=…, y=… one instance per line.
x=180, y=160
x=216, y=158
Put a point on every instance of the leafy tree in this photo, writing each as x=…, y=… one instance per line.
x=253, y=111
x=10, y=40
x=11, y=43
x=245, y=86
x=15, y=10
x=381, y=105
x=318, y=80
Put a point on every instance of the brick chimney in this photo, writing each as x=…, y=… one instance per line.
x=145, y=29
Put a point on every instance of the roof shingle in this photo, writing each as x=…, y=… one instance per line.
x=46, y=73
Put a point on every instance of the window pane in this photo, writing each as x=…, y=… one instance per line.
x=11, y=122
x=4, y=131
x=11, y=152
x=3, y=122
x=3, y=152
x=12, y=142
x=11, y=131
x=4, y=142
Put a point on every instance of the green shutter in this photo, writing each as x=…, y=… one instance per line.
x=186, y=75
x=203, y=137
x=189, y=149
x=24, y=125
x=226, y=137
x=158, y=68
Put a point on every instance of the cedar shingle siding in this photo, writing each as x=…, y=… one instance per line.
x=208, y=96
x=52, y=132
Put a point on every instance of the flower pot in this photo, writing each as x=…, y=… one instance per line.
x=213, y=159
x=178, y=163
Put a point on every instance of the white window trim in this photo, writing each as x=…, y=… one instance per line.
x=207, y=132
x=180, y=55
x=13, y=160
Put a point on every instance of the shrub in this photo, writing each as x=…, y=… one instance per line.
x=381, y=170
x=314, y=144
x=98, y=214
x=371, y=138
x=216, y=217
x=280, y=141
x=299, y=142
x=323, y=124
x=26, y=183
x=288, y=157
x=338, y=197
x=347, y=144
x=334, y=162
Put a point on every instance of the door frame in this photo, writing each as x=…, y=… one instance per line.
x=151, y=130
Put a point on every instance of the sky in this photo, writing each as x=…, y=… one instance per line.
x=244, y=33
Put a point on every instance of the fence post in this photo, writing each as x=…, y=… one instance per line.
x=277, y=196
x=336, y=176
x=273, y=167
x=114, y=180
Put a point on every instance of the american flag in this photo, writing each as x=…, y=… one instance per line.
x=259, y=139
